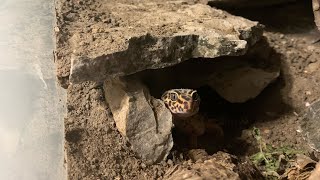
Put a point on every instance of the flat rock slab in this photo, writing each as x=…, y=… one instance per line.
x=101, y=39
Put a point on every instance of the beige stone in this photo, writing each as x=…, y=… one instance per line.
x=142, y=119
x=241, y=84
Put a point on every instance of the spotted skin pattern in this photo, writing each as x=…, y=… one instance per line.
x=182, y=102
x=184, y=106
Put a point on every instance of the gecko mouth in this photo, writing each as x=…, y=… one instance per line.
x=188, y=113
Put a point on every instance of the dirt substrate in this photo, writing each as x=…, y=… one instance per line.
x=95, y=149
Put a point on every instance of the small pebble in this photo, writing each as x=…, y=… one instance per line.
x=308, y=92
x=94, y=30
x=143, y=165
x=181, y=156
x=56, y=29
x=70, y=120
x=266, y=131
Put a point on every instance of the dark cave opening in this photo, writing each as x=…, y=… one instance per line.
x=232, y=117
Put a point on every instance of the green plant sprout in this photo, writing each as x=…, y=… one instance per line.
x=271, y=159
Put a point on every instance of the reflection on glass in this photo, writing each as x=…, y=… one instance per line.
x=31, y=103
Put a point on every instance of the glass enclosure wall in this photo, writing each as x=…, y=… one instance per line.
x=31, y=102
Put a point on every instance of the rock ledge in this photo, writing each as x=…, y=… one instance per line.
x=122, y=39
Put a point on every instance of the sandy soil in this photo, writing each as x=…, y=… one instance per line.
x=96, y=150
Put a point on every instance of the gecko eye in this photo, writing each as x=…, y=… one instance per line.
x=173, y=96
x=195, y=96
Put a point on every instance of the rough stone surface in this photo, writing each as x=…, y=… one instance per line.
x=316, y=12
x=246, y=3
x=122, y=38
x=241, y=84
x=144, y=120
x=217, y=166
x=310, y=125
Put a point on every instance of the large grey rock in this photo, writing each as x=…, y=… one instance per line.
x=156, y=34
x=144, y=120
x=310, y=125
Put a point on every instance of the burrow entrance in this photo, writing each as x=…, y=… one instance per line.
x=232, y=117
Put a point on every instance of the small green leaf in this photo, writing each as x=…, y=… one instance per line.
x=257, y=158
x=256, y=133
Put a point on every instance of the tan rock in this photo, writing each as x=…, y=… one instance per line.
x=144, y=120
x=316, y=12
x=312, y=67
x=241, y=84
